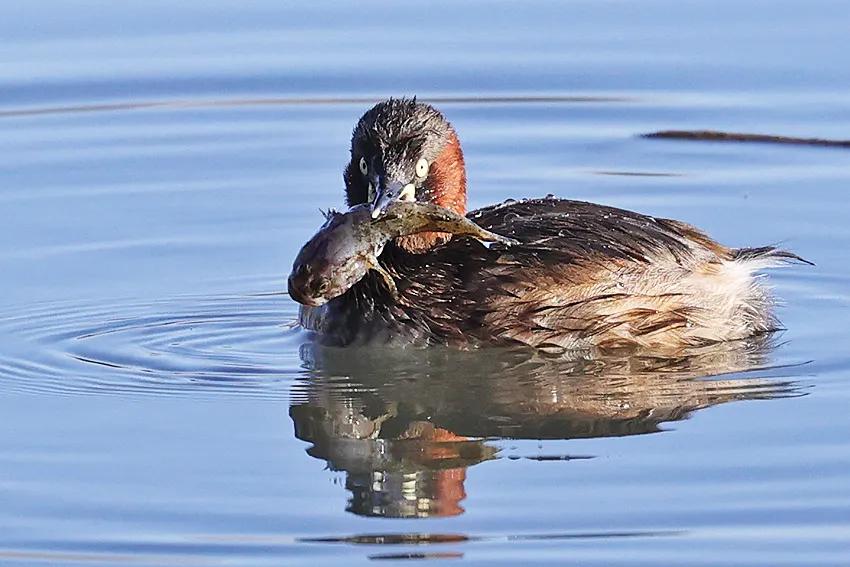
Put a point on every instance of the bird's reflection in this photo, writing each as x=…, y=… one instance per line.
x=405, y=424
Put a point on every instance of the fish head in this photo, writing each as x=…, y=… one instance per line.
x=336, y=258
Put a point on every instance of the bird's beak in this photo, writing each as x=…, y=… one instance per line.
x=388, y=193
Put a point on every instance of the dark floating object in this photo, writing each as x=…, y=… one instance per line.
x=559, y=457
x=716, y=136
x=637, y=173
x=403, y=556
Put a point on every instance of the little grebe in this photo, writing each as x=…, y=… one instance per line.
x=582, y=276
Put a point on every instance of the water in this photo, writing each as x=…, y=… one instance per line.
x=161, y=164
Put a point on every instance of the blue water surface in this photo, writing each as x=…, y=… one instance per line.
x=162, y=163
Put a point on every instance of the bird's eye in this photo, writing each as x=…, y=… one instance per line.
x=422, y=168
x=364, y=167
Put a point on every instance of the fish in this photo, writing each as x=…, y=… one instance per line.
x=348, y=244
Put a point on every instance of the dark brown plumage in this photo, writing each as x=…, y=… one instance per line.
x=584, y=275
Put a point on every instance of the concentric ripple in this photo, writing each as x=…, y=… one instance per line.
x=238, y=344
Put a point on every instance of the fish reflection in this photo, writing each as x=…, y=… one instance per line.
x=405, y=424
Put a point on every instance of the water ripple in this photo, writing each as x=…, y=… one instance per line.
x=305, y=101
x=238, y=344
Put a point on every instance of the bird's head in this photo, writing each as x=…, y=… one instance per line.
x=402, y=149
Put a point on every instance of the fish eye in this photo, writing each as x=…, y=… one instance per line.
x=364, y=167
x=422, y=168
x=322, y=285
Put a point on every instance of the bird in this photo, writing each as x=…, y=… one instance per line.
x=582, y=275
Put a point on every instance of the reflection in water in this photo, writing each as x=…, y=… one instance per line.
x=405, y=424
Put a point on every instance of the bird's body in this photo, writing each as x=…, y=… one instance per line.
x=582, y=276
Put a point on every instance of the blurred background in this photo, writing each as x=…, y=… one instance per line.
x=161, y=164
